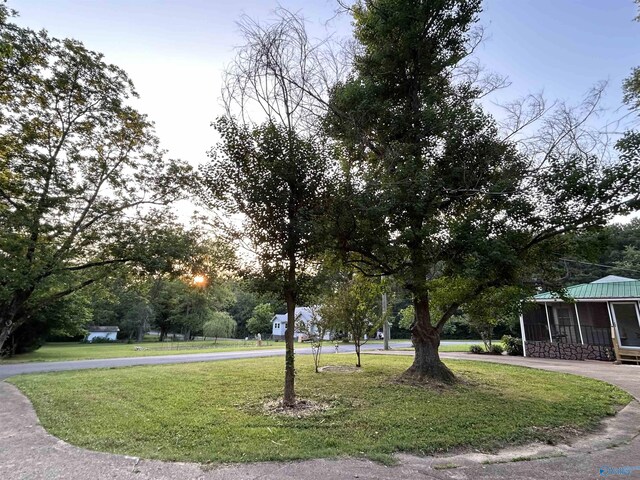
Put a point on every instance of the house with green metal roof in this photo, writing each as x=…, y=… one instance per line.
x=592, y=321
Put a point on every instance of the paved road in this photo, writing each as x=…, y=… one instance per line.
x=35, y=367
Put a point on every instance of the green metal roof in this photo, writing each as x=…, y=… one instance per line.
x=628, y=289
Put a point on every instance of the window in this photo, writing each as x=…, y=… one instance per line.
x=276, y=326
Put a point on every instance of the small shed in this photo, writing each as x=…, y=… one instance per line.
x=107, y=333
x=595, y=321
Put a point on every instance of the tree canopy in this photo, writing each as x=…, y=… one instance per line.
x=260, y=321
x=437, y=193
x=80, y=173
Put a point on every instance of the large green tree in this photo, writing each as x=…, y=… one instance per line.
x=79, y=169
x=435, y=193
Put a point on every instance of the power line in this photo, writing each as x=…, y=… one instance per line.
x=601, y=265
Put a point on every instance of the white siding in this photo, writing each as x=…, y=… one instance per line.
x=279, y=322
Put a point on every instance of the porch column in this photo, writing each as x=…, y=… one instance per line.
x=546, y=311
x=578, y=320
x=614, y=325
x=524, y=336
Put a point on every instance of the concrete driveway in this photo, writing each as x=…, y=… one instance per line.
x=28, y=452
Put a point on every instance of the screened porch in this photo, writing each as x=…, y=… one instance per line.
x=585, y=323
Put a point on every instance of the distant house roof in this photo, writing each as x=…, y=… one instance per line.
x=301, y=313
x=94, y=328
x=614, y=279
x=607, y=287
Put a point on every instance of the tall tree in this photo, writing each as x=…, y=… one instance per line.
x=277, y=181
x=78, y=168
x=435, y=192
x=270, y=166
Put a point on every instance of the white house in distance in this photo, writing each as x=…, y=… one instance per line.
x=108, y=333
x=303, y=314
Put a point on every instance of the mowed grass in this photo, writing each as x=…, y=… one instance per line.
x=458, y=347
x=58, y=352
x=212, y=412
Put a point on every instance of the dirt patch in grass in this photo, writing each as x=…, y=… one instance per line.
x=303, y=408
x=426, y=383
x=340, y=369
x=557, y=434
x=431, y=384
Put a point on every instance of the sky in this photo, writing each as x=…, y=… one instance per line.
x=175, y=50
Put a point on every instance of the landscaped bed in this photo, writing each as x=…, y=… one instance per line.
x=215, y=412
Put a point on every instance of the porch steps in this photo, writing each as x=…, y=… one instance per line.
x=624, y=355
x=628, y=357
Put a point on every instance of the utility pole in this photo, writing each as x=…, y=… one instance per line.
x=386, y=331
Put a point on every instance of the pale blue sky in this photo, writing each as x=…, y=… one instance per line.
x=174, y=50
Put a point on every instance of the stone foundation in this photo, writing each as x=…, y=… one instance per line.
x=569, y=351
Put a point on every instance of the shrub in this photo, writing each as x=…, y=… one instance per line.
x=513, y=345
x=496, y=349
x=476, y=349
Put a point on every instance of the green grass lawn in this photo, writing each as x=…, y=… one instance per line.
x=57, y=352
x=212, y=412
x=464, y=347
x=461, y=347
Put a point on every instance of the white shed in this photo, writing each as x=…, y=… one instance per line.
x=108, y=333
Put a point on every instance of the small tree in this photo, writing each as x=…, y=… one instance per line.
x=260, y=322
x=355, y=309
x=315, y=329
x=495, y=306
x=221, y=325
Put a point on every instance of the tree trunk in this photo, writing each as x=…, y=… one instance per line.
x=485, y=340
x=140, y=334
x=357, y=345
x=12, y=315
x=426, y=340
x=5, y=331
x=289, y=399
